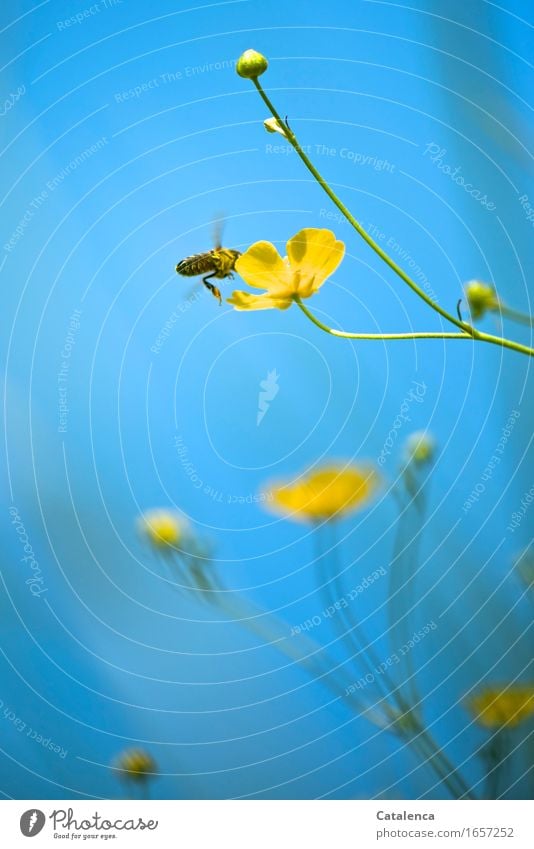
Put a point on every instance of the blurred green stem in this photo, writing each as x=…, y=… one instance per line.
x=402, y=592
x=422, y=742
x=495, y=755
x=313, y=658
x=436, y=757
x=357, y=644
x=302, y=650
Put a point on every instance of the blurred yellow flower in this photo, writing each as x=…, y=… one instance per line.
x=163, y=528
x=312, y=256
x=328, y=492
x=136, y=764
x=496, y=708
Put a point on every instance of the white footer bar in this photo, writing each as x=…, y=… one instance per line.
x=268, y=824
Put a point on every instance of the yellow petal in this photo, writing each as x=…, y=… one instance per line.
x=314, y=254
x=247, y=301
x=262, y=267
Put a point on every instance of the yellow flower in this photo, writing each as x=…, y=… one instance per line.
x=163, y=528
x=496, y=708
x=328, y=492
x=136, y=764
x=312, y=256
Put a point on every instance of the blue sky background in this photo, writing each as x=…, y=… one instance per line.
x=111, y=655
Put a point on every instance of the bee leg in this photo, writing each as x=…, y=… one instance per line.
x=213, y=289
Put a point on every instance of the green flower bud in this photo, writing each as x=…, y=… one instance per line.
x=420, y=447
x=251, y=65
x=481, y=298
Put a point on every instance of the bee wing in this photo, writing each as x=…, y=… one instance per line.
x=218, y=226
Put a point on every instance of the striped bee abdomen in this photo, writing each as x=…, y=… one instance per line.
x=196, y=264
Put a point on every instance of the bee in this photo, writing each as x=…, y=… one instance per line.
x=219, y=261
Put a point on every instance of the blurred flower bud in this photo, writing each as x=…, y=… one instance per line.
x=170, y=534
x=274, y=126
x=162, y=528
x=481, y=298
x=420, y=448
x=136, y=764
x=251, y=65
x=524, y=566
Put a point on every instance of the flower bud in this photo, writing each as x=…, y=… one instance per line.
x=420, y=448
x=481, y=298
x=136, y=764
x=274, y=126
x=251, y=64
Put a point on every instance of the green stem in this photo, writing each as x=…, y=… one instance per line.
x=468, y=330
x=346, y=335
x=476, y=334
x=292, y=139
